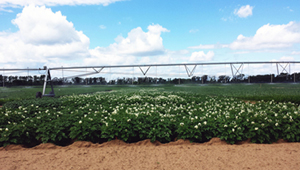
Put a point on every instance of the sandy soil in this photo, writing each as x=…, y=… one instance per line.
x=116, y=154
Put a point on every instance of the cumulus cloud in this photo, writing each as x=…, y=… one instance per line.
x=125, y=50
x=140, y=43
x=46, y=38
x=201, y=56
x=137, y=43
x=39, y=25
x=244, y=11
x=42, y=36
x=270, y=37
x=99, y=57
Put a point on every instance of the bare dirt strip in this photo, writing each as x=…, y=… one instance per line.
x=116, y=154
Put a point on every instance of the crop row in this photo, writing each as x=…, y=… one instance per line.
x=147, y=114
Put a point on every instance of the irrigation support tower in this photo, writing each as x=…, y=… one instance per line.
x=236, y=69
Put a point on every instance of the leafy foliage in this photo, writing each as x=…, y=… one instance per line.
x=147, y=113
x=43, y=103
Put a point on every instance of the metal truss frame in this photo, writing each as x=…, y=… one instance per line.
x=97, y=69
x=236, y=70
x=284, y=68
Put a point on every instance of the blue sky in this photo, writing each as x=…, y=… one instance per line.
x=114, y=32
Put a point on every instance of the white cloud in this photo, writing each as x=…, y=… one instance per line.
x=98, y=57
x=288, y=8
x=6, y=10
x=138, y=42
x=287, y=58
x=227, y=19
x=224, y=19
x=241, y=52
x=244, y=11
x=22, y=3
x=270, y=37
x=43, y=37
x=39, y=25
x=295, y=52
x=209, y=46
x=47, y=38
x=102, y=27
x=201, y=56
x=193, y=30
x=126, y=50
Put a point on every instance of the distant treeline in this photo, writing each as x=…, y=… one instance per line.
x=39, y=80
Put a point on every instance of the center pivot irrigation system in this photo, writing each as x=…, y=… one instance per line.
x=236, y=69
